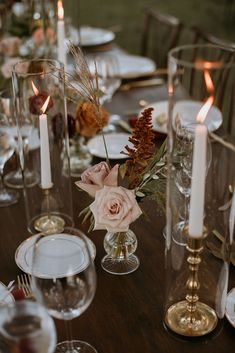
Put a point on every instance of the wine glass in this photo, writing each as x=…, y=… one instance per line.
x=7, y=197
x=26, y=327
x=14, y=178
x=64, y=280
x=183, y=176
x=109, y=82
x=25, y=121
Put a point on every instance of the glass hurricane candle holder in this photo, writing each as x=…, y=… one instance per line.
x=197, y=260
x=40, y=104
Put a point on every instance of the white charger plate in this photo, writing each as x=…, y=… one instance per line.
x=187, y=111
x=115, y=142
x=24, y=254
x=132, y=66
x=5, y=296
x=230, y=307
x=90, y=36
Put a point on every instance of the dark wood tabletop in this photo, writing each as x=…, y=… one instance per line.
x=126, y=315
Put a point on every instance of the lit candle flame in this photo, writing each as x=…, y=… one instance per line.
x=45, y=105
x=207, y=65
x=35, y=90
x=60, y=10
x=201, y=116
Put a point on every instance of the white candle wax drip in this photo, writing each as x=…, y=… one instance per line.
x=46, y=182
x=197, y=199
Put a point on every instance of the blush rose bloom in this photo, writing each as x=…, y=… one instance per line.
x=95, y=177
x=10, y=46
x=115, y=208
x=7, y=67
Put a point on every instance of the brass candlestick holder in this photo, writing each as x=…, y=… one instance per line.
x=191, y=317
x=48, y=222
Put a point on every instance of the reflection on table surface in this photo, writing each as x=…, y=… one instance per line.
x=127, y=312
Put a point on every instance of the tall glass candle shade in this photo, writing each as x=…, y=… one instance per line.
x=41, y=114
x=200, y=188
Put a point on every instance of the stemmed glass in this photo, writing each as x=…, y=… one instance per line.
x=26, y=327
x=14, y=178
x=108, y=69
x=64, y=280
x=183, y=176
x=25, y=121
x=7, y=197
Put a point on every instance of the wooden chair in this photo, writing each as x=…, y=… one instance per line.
x=160, y=33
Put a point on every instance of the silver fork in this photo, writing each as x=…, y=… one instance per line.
x=24, y=283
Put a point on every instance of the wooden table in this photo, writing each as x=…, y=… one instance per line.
x=126, y=315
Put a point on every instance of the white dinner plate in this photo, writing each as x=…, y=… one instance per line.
x=230, y=307
x=125, y=66
x=132, y=66
x=115, y=142
x=187, y=110
x=90, y=36
x=5, y=295
x=24, y=254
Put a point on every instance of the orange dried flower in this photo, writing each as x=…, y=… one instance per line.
x=90, y=119
x=143, y=148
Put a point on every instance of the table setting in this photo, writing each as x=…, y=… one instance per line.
x=117, y=232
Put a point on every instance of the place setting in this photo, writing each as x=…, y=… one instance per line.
x=117, y=234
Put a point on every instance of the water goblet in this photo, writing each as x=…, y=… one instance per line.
x=25, y=326
x=64, y=280
x=108, y=69
x=183, y=176
x=14, y=179
x=7, y=197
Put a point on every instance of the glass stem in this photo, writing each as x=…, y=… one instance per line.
x=69, y=335
x=186, y=207
x=26, y=152
x=2, y=186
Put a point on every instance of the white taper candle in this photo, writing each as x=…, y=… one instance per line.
x=46, y=182
x=196, y=213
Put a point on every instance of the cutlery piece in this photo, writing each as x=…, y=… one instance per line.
x=142, y=83
x=24, y=283
x=9, y=289
x=124, y=125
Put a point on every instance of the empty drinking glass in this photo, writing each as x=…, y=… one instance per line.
x=26, y=327
x=64, y=280
x=7, y=197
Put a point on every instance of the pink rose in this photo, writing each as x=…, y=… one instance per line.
x=7, y=67
x=115, y=208
x=38, y=36
x=10, y=46
x=95, y=177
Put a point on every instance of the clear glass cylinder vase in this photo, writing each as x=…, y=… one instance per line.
x=201, y=174
x=41, y=114
x=120, y=248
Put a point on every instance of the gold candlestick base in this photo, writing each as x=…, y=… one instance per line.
x=49, y=224
x=199, y=323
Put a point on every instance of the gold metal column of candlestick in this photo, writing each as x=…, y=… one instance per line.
x=191, y=317
x=49, y=223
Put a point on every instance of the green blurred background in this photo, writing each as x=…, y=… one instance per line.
x=214, y=16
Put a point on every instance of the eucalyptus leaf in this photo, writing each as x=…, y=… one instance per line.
x=140, y=194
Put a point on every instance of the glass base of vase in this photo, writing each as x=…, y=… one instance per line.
x=120, y=266
x=8, y=197
x=14, y=179
x=74, y=347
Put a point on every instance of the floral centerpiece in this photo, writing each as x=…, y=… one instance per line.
x=118, y=191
